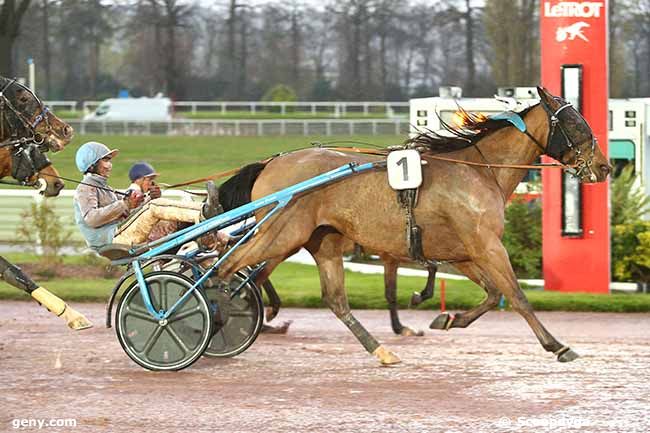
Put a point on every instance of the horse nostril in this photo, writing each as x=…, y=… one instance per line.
x=67, y=130
x=606, y=169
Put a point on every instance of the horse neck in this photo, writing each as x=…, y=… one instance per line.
x=510, y=146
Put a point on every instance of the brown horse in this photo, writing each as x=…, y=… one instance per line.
x=28, y=130
x=460, y=210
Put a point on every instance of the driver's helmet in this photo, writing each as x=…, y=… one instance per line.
x=91, y=152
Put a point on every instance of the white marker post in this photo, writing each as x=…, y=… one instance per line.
x=32, y=74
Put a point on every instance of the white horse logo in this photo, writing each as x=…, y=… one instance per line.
x=571, y=32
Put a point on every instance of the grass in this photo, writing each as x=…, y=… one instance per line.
x=172, y=158
x=68, y=114
x=298, y=286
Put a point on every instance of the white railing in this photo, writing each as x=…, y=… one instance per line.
x=236, y=127
x=67, y=105
x=335, y=109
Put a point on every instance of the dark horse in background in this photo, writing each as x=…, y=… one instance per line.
x=27, y=131
x=460, y=209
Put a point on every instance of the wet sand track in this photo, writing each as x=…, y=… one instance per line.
x=491, y=377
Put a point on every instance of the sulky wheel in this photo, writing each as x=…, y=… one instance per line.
x=239, y=317
x=164, y=345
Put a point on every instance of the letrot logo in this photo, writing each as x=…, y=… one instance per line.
x=571, y=32
x=570, y=9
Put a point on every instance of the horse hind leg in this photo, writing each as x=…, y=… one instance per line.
x=390, y=292
x=16, y=277
x=419, y=297
x=327, y=250
x=446, y=321
x=262, y=280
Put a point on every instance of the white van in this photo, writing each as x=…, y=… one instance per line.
x=133, y=109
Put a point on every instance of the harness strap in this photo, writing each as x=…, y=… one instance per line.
x=481, y=164
x=408, y=199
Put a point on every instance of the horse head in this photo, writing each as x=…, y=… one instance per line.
x=53, y=185
x=23, y=115
x=27, y=131
x=571, y=140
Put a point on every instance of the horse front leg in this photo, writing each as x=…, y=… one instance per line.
x=495, y=266
x=16, y=277
x=390, y=292
x=328, y=253
x=446, y=321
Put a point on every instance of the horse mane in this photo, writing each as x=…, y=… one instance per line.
x=236, y=191
x=474, y=128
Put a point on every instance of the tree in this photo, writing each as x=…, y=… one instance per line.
x=353, y=16
x=172, y=15
x=47, y=54
x=12, y=13
x=511, y=28
x=469, y=47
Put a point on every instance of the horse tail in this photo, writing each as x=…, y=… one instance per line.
x=236, y=191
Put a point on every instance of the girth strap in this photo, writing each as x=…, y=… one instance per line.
x=408, y=200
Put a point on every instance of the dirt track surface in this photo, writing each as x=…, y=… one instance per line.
x=491, y=377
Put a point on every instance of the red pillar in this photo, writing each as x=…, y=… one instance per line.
x=575, y=33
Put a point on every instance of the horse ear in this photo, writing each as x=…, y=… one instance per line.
x=544, y=94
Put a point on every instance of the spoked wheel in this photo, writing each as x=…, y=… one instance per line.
x=239, y=317
x=164, y=345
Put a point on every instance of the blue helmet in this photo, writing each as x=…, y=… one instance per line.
x=91, y=152
x=141, y=169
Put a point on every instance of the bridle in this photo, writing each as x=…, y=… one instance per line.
x=559, y=142
x=27, y=149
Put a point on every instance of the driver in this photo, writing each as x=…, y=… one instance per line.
x=143, y=179
x=103, y=218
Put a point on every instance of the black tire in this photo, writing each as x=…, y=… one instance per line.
x=240, y=314
x=171, y=346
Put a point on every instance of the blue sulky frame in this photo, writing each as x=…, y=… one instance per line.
x=279, y=199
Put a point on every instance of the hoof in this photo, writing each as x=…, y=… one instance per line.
x=386, y=357
x=268, y=329
x=566, y=355
x=76, y=320
x=416, y=299
x=270, y=313
x=442, y=322
x=408, y=332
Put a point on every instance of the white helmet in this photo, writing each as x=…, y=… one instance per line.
x=91, y=152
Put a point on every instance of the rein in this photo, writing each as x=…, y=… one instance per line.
x=369, y=151
x=488, y=165
x=83, y=183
